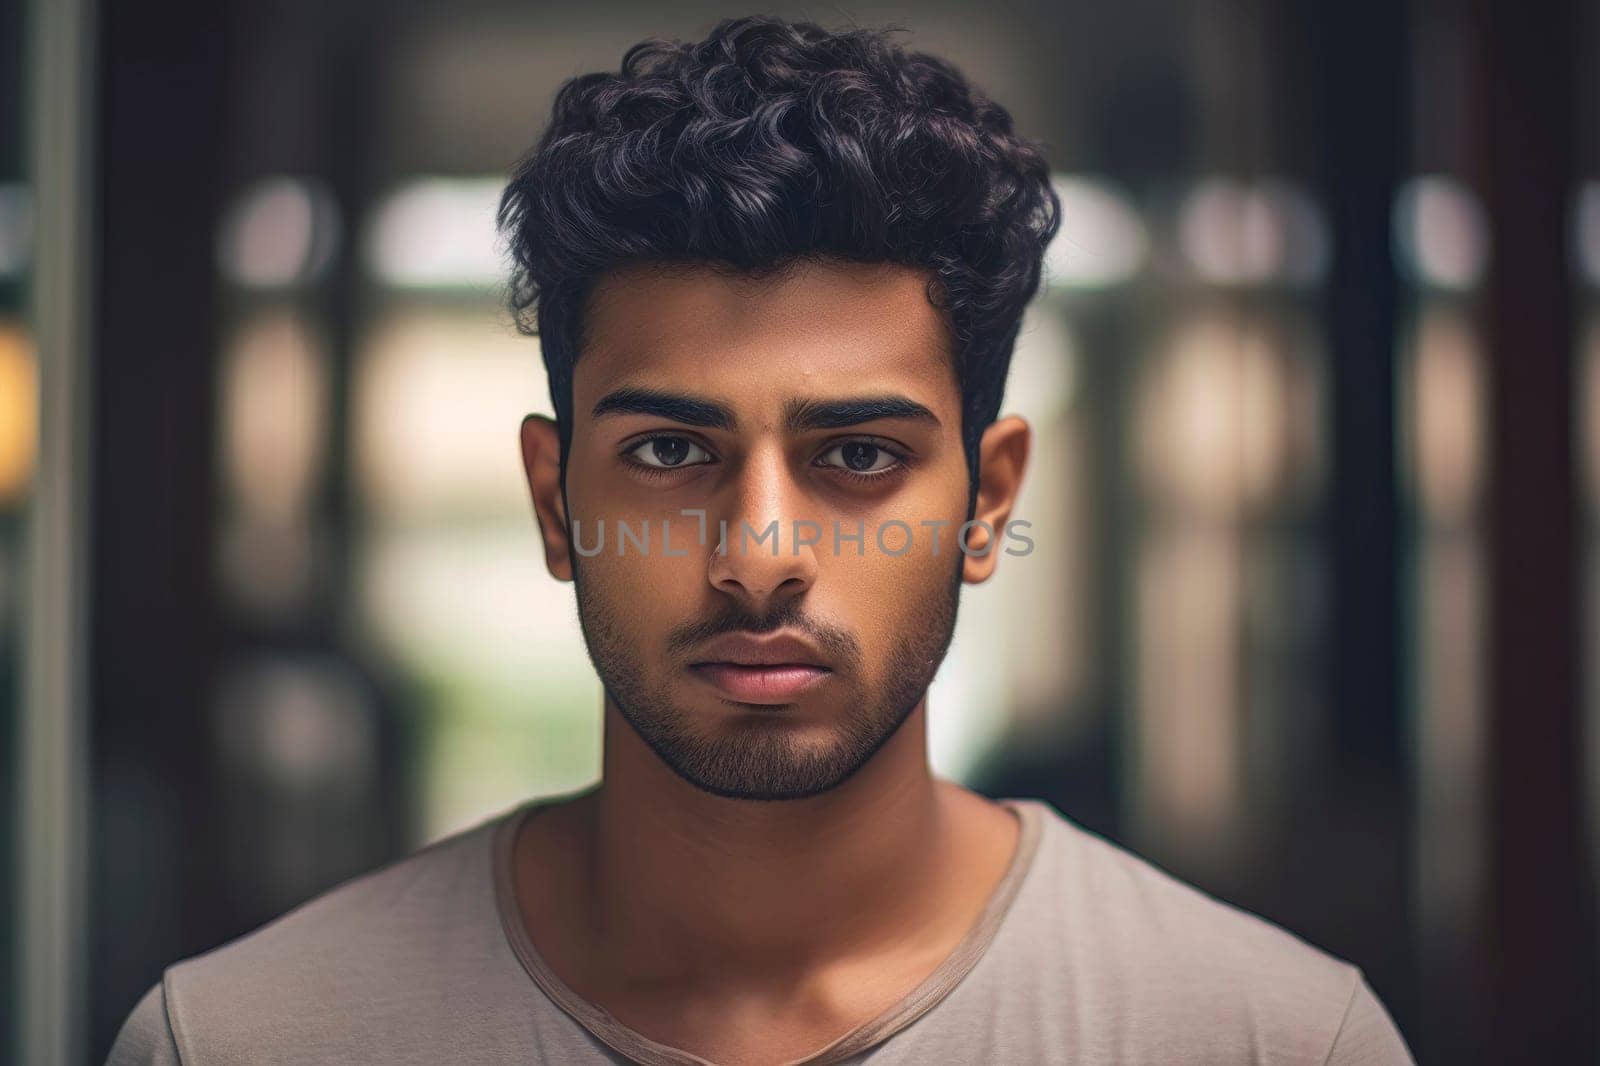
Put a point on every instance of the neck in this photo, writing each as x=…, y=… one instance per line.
x=683, y=882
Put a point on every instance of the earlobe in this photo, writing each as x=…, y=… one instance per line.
x=1003, y=458
x=541, y=463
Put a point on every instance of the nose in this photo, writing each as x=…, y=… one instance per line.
x=761, y=559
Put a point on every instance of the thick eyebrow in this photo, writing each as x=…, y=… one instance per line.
x=799, y=415
x=837, y=414
x=671, y=406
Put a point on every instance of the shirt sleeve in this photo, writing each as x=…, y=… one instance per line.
x=146, y=1036
x=1367, y=1036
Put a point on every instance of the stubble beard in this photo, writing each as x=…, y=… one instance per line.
x=756, y=757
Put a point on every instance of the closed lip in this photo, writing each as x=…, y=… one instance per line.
x=775, y=649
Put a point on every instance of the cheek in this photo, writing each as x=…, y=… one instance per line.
x=658, y=585
x=643, y=595
x=893, y=587
x=644, y=585
x=914, y=538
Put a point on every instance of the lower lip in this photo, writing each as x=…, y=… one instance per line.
x=761, y=684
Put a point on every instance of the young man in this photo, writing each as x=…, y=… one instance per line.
x=777, y=276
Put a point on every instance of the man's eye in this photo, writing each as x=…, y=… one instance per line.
x=860, y=457
x=666, y=453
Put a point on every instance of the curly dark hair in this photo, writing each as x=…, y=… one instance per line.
x=772, y=141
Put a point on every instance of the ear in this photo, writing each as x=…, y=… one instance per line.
x=1002, y=458
x=541, y=462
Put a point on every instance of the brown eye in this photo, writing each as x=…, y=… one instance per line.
x=861, y=457
x=668, y=452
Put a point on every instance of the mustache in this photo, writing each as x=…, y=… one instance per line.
x=836, y=642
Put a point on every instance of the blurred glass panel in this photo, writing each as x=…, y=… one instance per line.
x=281, y=231
x=1227, y=420
x=1252, y=233
x=471, y=598
x=1442, y=412
x=274, y=412
x=1444, y=399
x=439, y=395
x=509, y=705
x=1228, y=447
x=274, y=408
x=1441, y=234
x=1229, y=451
x=1190, y=769
x=438, y=233
x=1102, y=240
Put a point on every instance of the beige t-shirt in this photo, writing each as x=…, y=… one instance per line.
x=1085, y=954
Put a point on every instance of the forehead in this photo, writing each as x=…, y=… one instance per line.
x=820, y=327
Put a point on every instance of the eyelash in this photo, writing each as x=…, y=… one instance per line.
x=902, y=461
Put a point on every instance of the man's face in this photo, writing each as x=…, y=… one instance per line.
x=824, y=401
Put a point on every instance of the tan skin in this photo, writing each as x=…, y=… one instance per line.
x=748, y=931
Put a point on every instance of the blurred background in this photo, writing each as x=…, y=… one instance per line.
x=1313, y=620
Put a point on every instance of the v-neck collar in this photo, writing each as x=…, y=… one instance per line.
x=641, y=1049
